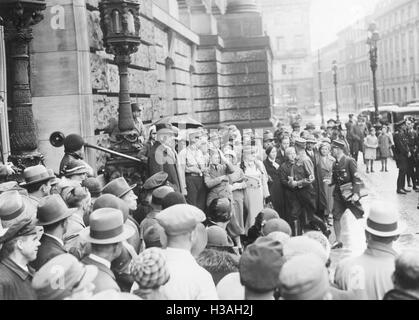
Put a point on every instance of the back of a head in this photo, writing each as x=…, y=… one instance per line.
x=406, y=273
x=220, y=210
x=265, y=215
x=320, y=238
x=274, y=225
x=110, y=201
x=172, y=199
x=74, y=196
x=230, y=288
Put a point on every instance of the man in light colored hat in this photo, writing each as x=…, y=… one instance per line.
x=119, y=187
x=105, y=233
x=37, y=182
x=19, y=247
x=188, y=280
x=192, y=167
x=371, y=272
x=13, y=207
x=163, y=156
x=53, y=215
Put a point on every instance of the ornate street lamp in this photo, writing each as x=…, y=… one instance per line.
x=335, y=82
x=373, y=38
x=120, y=24
x=19, y=16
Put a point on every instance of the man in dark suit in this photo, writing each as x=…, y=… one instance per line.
x=284, y=143
x=402, y=155
x=107, y=235
x=52, y=215
x=163, y=157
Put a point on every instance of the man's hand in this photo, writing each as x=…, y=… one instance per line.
x=9, y=168
x=355, y=197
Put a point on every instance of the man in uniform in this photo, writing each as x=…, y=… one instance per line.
x=192, y=167
x=402, y=155
x=344, y=171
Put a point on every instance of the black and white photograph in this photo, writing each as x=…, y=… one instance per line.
x=209, y=150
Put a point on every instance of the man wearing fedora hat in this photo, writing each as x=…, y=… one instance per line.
x=192, y=168
x=105, y=233
x=163, y=156
x=371, y=272
x=37, y=182
x=19, y=247
x=188, y=280
x=15, y=207
x=53, y=215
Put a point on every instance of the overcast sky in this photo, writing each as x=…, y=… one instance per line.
x=330, y=16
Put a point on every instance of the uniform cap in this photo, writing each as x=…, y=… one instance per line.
x=156, y=180
x=338, y=144
x=180, y=219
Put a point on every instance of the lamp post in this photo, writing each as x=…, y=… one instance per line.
x=373, y=38
x=121, y=36
x=19, y=16
x=120, y=23
x=335, y=82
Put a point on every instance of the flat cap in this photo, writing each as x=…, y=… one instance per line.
x=260, y=265
x=180, y=219
x=156, y=180
x=160, y=193
x=304, y=277
x=173, y=198
x=338, y=144
x=20, y=228
x=302, y=245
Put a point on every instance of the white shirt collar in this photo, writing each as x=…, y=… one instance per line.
x=60, y=241
x=100, y=260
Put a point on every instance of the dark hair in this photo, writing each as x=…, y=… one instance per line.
x=35, y=187
x=8, y=247
x=214, y=213
x=54, y=226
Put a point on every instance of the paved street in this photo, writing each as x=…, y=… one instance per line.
x=381, y=185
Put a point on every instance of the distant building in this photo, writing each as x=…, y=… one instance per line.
x=398, y=59
x=287, y=22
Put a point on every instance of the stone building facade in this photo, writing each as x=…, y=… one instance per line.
x=287, y=22
x=398, y=58
x=208, y=59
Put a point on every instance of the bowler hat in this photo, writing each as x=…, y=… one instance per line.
x=73, y=142
x=52, y=209
x=106, y=226
x=75, y=167
x=180, y=219
x=383, y=220
x=111, y=201
x=156, y=180
x=118, y=187
x=338, y=144
x=72, y=275
x=260, y=265
x=20, y=228
x=35, y=174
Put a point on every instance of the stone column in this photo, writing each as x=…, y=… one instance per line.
x=19, y=18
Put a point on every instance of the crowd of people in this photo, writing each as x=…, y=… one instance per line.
x=222, y=215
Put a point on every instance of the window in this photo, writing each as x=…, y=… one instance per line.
x=284, y=69
x=393, y=95
x=405, y=93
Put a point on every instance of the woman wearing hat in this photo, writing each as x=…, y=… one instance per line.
x=274, y=180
